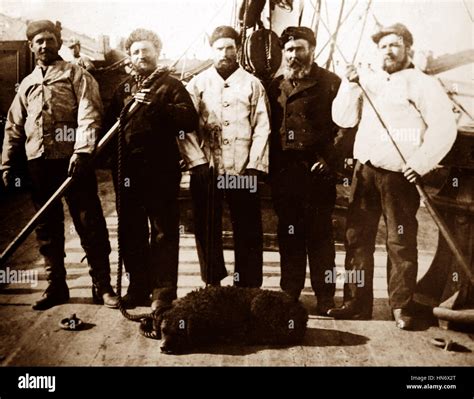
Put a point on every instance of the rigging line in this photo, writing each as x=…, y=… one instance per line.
x=343, y=19
x=467, y=9
x=201, y=34
x=333, y=42
x=362, y=30
x=454, y=101
x=318, y=17
x=326, y=11
x=328, y=30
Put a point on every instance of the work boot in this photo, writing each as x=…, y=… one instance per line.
x=403, y=320
x=350, y=312
x=57, y=293
x=324, y=305
x=133, y=299
x=103, y=294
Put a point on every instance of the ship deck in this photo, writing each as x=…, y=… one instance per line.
x=32, y=338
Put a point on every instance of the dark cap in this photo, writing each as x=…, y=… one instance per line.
x=224, y=32
x=398, y=29
x=43, y=25
x=297, y=32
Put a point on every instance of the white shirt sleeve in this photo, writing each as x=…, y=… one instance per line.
x=441, y=130
x=347, y=105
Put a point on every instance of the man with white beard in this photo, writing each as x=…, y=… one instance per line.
x=302, y=160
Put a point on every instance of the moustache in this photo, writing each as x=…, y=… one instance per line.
x=295, y=63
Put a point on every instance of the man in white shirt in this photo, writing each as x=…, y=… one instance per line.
x=419, y=115
x=234, y=128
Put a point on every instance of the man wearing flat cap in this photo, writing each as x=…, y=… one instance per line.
x=302, y=165
x=55, y=117
x=419, y=116
x=78, y=59
x=233, y=131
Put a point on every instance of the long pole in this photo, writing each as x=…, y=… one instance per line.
x=30, y=226
x=443, y=227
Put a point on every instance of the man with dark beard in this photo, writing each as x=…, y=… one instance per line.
x=301, y=163
x=419, y=115
x=149, y=185
x=233, y=130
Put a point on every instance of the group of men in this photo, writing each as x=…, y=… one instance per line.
x=226, y=122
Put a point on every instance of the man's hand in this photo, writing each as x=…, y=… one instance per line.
x=8, y=180
x=320, y=167
x=159, y=96
x=143, y=96
x=410, y=174
x=78, y=164
x=351, y=74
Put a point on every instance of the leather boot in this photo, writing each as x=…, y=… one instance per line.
x=103, y=294
x=57, y=293
x=99, y=269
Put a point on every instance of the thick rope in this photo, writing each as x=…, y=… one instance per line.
x=147, y=83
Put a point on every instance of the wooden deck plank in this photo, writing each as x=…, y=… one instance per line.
x=34, y=338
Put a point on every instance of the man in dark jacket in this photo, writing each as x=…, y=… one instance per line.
x=301, y=164
x=149, y=184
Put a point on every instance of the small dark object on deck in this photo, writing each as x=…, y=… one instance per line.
x=228, y=315
x=72, y=323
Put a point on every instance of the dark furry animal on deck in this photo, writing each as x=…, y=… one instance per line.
x=228, y=315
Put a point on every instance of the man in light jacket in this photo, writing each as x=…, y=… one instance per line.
x=233, y=132
x=419, y=116
x=55, y=117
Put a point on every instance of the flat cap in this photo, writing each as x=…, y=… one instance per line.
x=224, y=32
x=398, y=29
x=73, y=42
x=297, y=32
x=43, y=25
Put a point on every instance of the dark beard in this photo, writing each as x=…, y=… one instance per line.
x=297, y=69
x=397, y=66
x=225, y=68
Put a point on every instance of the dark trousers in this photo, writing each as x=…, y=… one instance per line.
x=304, y=203
x=86, y=212
x=150, y=228
x=246, y=221
x=376, y=192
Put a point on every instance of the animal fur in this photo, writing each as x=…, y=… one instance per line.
x=228, y=315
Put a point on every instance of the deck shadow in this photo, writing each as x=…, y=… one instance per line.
x=315, y=337
x=327, y=337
